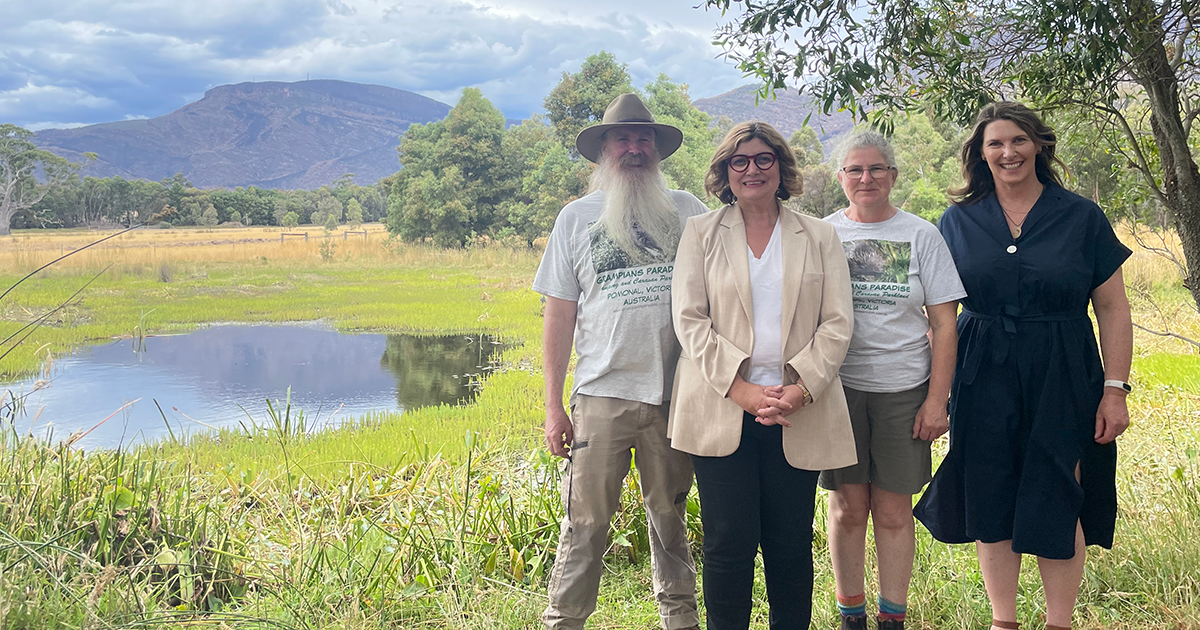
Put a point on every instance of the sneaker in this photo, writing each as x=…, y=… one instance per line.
x=891, y=624
x=854, y=622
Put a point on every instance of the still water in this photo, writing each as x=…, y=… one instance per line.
x=222, y=375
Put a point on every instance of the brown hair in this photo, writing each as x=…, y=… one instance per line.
x=975, y=171
x=716, y=181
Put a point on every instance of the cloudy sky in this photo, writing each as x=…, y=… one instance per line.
x=71, y=62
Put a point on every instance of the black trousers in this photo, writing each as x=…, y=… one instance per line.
x=750, y=499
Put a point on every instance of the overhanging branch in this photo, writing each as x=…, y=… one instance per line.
x=1167, y=333
x=1162, y=250
x=1142, y=164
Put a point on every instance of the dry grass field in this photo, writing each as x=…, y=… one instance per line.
x=28, y=249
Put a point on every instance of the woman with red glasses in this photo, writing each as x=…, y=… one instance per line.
x=761, y=304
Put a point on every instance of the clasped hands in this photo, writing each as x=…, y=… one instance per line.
x=770, y=404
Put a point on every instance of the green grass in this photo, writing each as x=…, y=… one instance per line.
x=1171, y=370
x=446, y=517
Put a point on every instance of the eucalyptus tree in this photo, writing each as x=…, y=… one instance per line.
x=580, y=98
x=22, y=165
x=452, y=182
x=807, y=145
x=671, y=104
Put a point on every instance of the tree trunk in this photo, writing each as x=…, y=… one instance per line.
x=7, y=210
x=8, y=197
x=1181, y=179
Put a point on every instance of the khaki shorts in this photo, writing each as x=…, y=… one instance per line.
x=888, y=456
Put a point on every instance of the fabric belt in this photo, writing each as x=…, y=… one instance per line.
x=1008, y=319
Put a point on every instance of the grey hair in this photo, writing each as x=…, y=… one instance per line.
x=865, y=139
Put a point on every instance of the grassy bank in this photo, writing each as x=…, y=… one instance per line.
x=443, y=517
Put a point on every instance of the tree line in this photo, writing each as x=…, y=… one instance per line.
x=91, y=201
x=468, y=176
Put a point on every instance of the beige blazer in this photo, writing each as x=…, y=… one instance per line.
x=711, y=304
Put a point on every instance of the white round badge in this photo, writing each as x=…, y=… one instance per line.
x=1012, y=249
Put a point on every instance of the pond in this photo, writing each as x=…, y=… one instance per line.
x=223, y=375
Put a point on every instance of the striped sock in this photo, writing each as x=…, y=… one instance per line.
x=852, y=605
x=891, y=610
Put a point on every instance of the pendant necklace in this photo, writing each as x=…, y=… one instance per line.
x=1014, y=227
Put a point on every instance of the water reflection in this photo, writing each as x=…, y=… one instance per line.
x=420, y=365
x=222, y=375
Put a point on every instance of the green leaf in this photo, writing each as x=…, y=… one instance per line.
x=415, y=588
x=121, y=498
x=167, y=558
x=489, y=566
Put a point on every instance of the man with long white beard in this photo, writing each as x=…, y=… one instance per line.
x=606, y=275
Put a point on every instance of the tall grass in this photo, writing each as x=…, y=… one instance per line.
x=108, y=536
x=152, y=246
x=116, y=539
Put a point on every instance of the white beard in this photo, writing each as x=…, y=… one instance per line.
x=638, y=215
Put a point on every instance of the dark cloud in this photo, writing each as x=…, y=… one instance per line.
x=86, y=61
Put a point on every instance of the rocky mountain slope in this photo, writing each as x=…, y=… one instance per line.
x=271, y=134
x=786, y=113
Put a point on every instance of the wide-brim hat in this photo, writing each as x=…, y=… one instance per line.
x=627, y=110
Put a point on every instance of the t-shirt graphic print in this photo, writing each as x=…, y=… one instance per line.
x=897, y=267
x=623, y=283
x=878, y=272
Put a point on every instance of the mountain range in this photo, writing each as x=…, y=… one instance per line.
x=309, y=133
x=271, y=134
x=786, y=113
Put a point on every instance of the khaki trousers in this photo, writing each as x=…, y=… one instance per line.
x=607, y=430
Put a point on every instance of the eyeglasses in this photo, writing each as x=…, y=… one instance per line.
x=877, y=172
x=764, y=161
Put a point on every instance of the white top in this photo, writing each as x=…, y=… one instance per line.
x=766, y=292
x=897, y=268
x=624, y=341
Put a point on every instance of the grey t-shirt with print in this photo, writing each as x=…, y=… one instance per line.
x=897, y=267
x=625, y=343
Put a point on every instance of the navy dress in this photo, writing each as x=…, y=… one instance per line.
x=1028, y=381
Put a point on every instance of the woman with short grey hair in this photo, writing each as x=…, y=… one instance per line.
x=866, y=139
x=897, y=383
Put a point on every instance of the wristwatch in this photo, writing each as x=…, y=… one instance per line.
x=808, y=399
x=1122, y=385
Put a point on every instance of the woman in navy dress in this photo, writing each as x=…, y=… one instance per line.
x=1033, y=411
